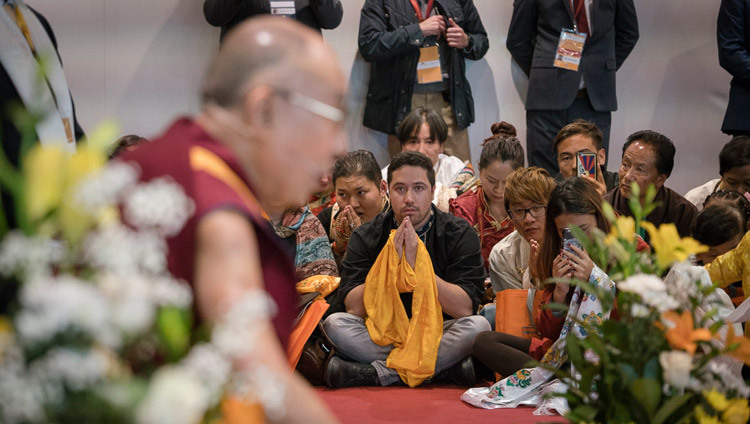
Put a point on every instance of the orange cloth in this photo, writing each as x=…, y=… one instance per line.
x=415, y=341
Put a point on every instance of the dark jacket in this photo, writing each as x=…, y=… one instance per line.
x=532, y=41
x=733, y=36
x=451, y=242
x=325, y=14
x=672, y=208
x=390, y=38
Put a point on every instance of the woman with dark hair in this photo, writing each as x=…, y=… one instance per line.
x=574, y=202
x=484, y=205
x=424, y=130
x=361, y=194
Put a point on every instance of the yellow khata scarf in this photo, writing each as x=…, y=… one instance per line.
x=416, y=341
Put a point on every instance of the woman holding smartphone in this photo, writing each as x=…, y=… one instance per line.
x=574, y=202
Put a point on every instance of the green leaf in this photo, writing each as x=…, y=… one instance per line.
x=651, y=369
x=173, y=325
x=670, y=407
x=574, y=350
x=627, y=371
x=583, y=413
x=648, y=393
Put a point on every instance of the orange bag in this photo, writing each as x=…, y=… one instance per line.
x=515, y=310
x=304, y=329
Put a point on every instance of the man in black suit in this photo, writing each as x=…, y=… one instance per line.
x=25, y=37
x=733, y=36
x=317, y=14
x=556, y=96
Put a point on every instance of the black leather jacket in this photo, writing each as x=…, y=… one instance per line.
x=390, y=38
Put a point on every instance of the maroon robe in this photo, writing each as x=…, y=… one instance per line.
x=217, y=183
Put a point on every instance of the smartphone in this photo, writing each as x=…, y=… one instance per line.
x=568, y=240
x=587, y=165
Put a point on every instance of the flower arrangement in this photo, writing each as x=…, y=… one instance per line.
x=668, y=357
x=95, y=329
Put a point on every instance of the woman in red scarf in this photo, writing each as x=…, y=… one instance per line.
x=484, y=205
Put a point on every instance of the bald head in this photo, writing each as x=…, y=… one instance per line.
x=263, y=50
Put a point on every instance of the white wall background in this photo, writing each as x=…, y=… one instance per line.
x=141, y=62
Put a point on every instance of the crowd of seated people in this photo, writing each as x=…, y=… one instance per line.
x=506, y=233
x=417, y=242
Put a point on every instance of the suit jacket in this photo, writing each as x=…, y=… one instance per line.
x=532, y=41
x=733, y=36
x=325, y=14
x=8, y=132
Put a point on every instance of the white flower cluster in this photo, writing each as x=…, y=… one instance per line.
x=54, y=305
x=652, y=291
x=106, y=187
x=262, y=385
x=175, y=396
x=28, y=256
x=75, y=369
x=235, y=334
x=719, y=375
x=181, y=393
x=676, y=366
x=159, y=205
x=22, y=396
x=120, y=250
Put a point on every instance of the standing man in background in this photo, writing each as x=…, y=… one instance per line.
x=570, y=50
x=27, y=41
x=317, y=14
x=417, y=49
x=733, y=35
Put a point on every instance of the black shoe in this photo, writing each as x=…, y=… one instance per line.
x=461, y=374
x=340, y=373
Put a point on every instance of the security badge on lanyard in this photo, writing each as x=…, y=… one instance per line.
x=428, y=66
x=283, y=8
x=570, y=48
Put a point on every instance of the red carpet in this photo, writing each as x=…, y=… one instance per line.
x=434, y=404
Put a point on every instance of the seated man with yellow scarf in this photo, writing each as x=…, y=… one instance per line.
x=411, y=281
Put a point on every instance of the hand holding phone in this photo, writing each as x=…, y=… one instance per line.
x=587, y=165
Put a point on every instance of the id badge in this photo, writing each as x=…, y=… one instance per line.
x=569, y=49
x=586, y=164
x=428, y=67
x=283, y=8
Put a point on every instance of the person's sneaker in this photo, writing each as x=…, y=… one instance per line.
x=340, y=373
x=461, y=374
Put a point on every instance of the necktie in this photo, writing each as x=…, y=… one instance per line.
x=579, y=11
x=17, y=16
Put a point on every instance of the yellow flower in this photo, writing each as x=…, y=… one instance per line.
x=737, y=412
x=682, y=335
x=703, y=418
x=717, y=400
x=102, y=137
x=75, y=222
x=623, y=228
x=44, y=176
x=669, y=246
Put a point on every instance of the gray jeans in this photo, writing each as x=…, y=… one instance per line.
x=349, y=333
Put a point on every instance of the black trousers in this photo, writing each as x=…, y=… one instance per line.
x=543, y=125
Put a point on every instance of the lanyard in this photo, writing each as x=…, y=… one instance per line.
x=419, y=9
